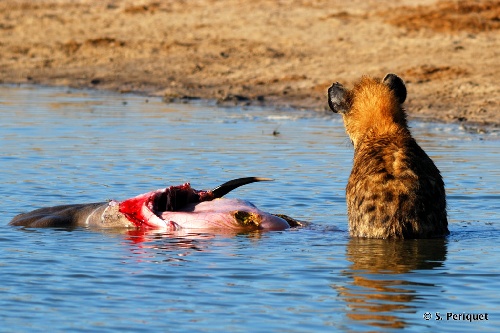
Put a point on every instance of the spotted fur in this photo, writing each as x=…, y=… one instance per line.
x=394, y=190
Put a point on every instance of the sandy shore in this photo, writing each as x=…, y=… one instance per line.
x=278, y=53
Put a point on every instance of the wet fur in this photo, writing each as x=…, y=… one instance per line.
x=394, y=190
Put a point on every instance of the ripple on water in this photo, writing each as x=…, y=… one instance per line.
x=65, y=146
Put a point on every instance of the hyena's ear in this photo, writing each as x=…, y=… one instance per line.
x=397, y=85
x=337, y=98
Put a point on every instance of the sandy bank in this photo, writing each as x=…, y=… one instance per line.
x=282, y=53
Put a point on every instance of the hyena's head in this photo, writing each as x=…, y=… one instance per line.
x=372, y=106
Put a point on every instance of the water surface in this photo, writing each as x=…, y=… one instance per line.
x=62, y=146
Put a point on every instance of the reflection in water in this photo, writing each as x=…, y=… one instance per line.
x=155, y=246
x=94, y=147
x=380, y=286
x=174, y=246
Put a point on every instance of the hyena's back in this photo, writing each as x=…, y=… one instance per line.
x=395, y=191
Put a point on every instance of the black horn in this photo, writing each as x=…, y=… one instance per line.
x=227, y=187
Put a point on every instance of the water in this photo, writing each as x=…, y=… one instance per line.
x=63, y=146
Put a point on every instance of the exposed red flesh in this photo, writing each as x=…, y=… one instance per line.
x=141, y=209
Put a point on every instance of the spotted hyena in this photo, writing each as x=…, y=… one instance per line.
x=394, y=190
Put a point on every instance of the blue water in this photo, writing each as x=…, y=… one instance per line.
x=61, y=146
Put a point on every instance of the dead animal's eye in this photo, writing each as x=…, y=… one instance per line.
x=247, y=219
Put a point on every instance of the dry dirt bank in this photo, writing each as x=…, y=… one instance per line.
x=282, y=53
